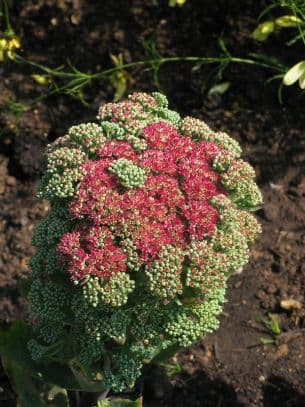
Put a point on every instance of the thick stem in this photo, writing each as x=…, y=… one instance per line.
x=106, y=366
x=103, y=395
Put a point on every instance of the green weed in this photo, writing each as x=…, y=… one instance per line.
x=272, y=328
x=14, y=107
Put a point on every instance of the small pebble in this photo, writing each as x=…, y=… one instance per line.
x=290, y=304
x=10, y=181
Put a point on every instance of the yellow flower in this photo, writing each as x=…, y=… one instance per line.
x=7, y=46
x=2, y=48
x=13, y=42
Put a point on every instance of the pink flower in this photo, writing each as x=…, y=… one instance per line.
x=170, y=207
x=160, y=135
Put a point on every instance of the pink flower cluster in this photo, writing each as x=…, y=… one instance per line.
x=170, y=208
x=92, y=251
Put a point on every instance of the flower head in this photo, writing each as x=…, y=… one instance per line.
x=150, y=215
x=8, y=43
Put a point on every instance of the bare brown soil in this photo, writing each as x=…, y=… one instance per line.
x=230, y=367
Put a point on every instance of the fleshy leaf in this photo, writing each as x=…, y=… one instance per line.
x=18, y=362
x=166, y=354
x=58, y=397
x=120, y=403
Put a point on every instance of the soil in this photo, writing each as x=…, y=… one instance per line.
x=231, y=367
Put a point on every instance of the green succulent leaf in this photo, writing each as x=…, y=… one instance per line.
x=58, y=397
x=18, y=364
x=120, y=403
x=26, y=379
x=166, y=354
x=22, y=369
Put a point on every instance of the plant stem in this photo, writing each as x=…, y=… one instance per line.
x=9, y=29
x=204, y=60
x=103, y=395
x=107, y=364
x=77, y=80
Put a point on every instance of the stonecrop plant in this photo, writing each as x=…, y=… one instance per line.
x=150, y=215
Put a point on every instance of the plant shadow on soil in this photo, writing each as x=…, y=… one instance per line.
x=191, y=391
x=278, y=392
x=200, y=391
